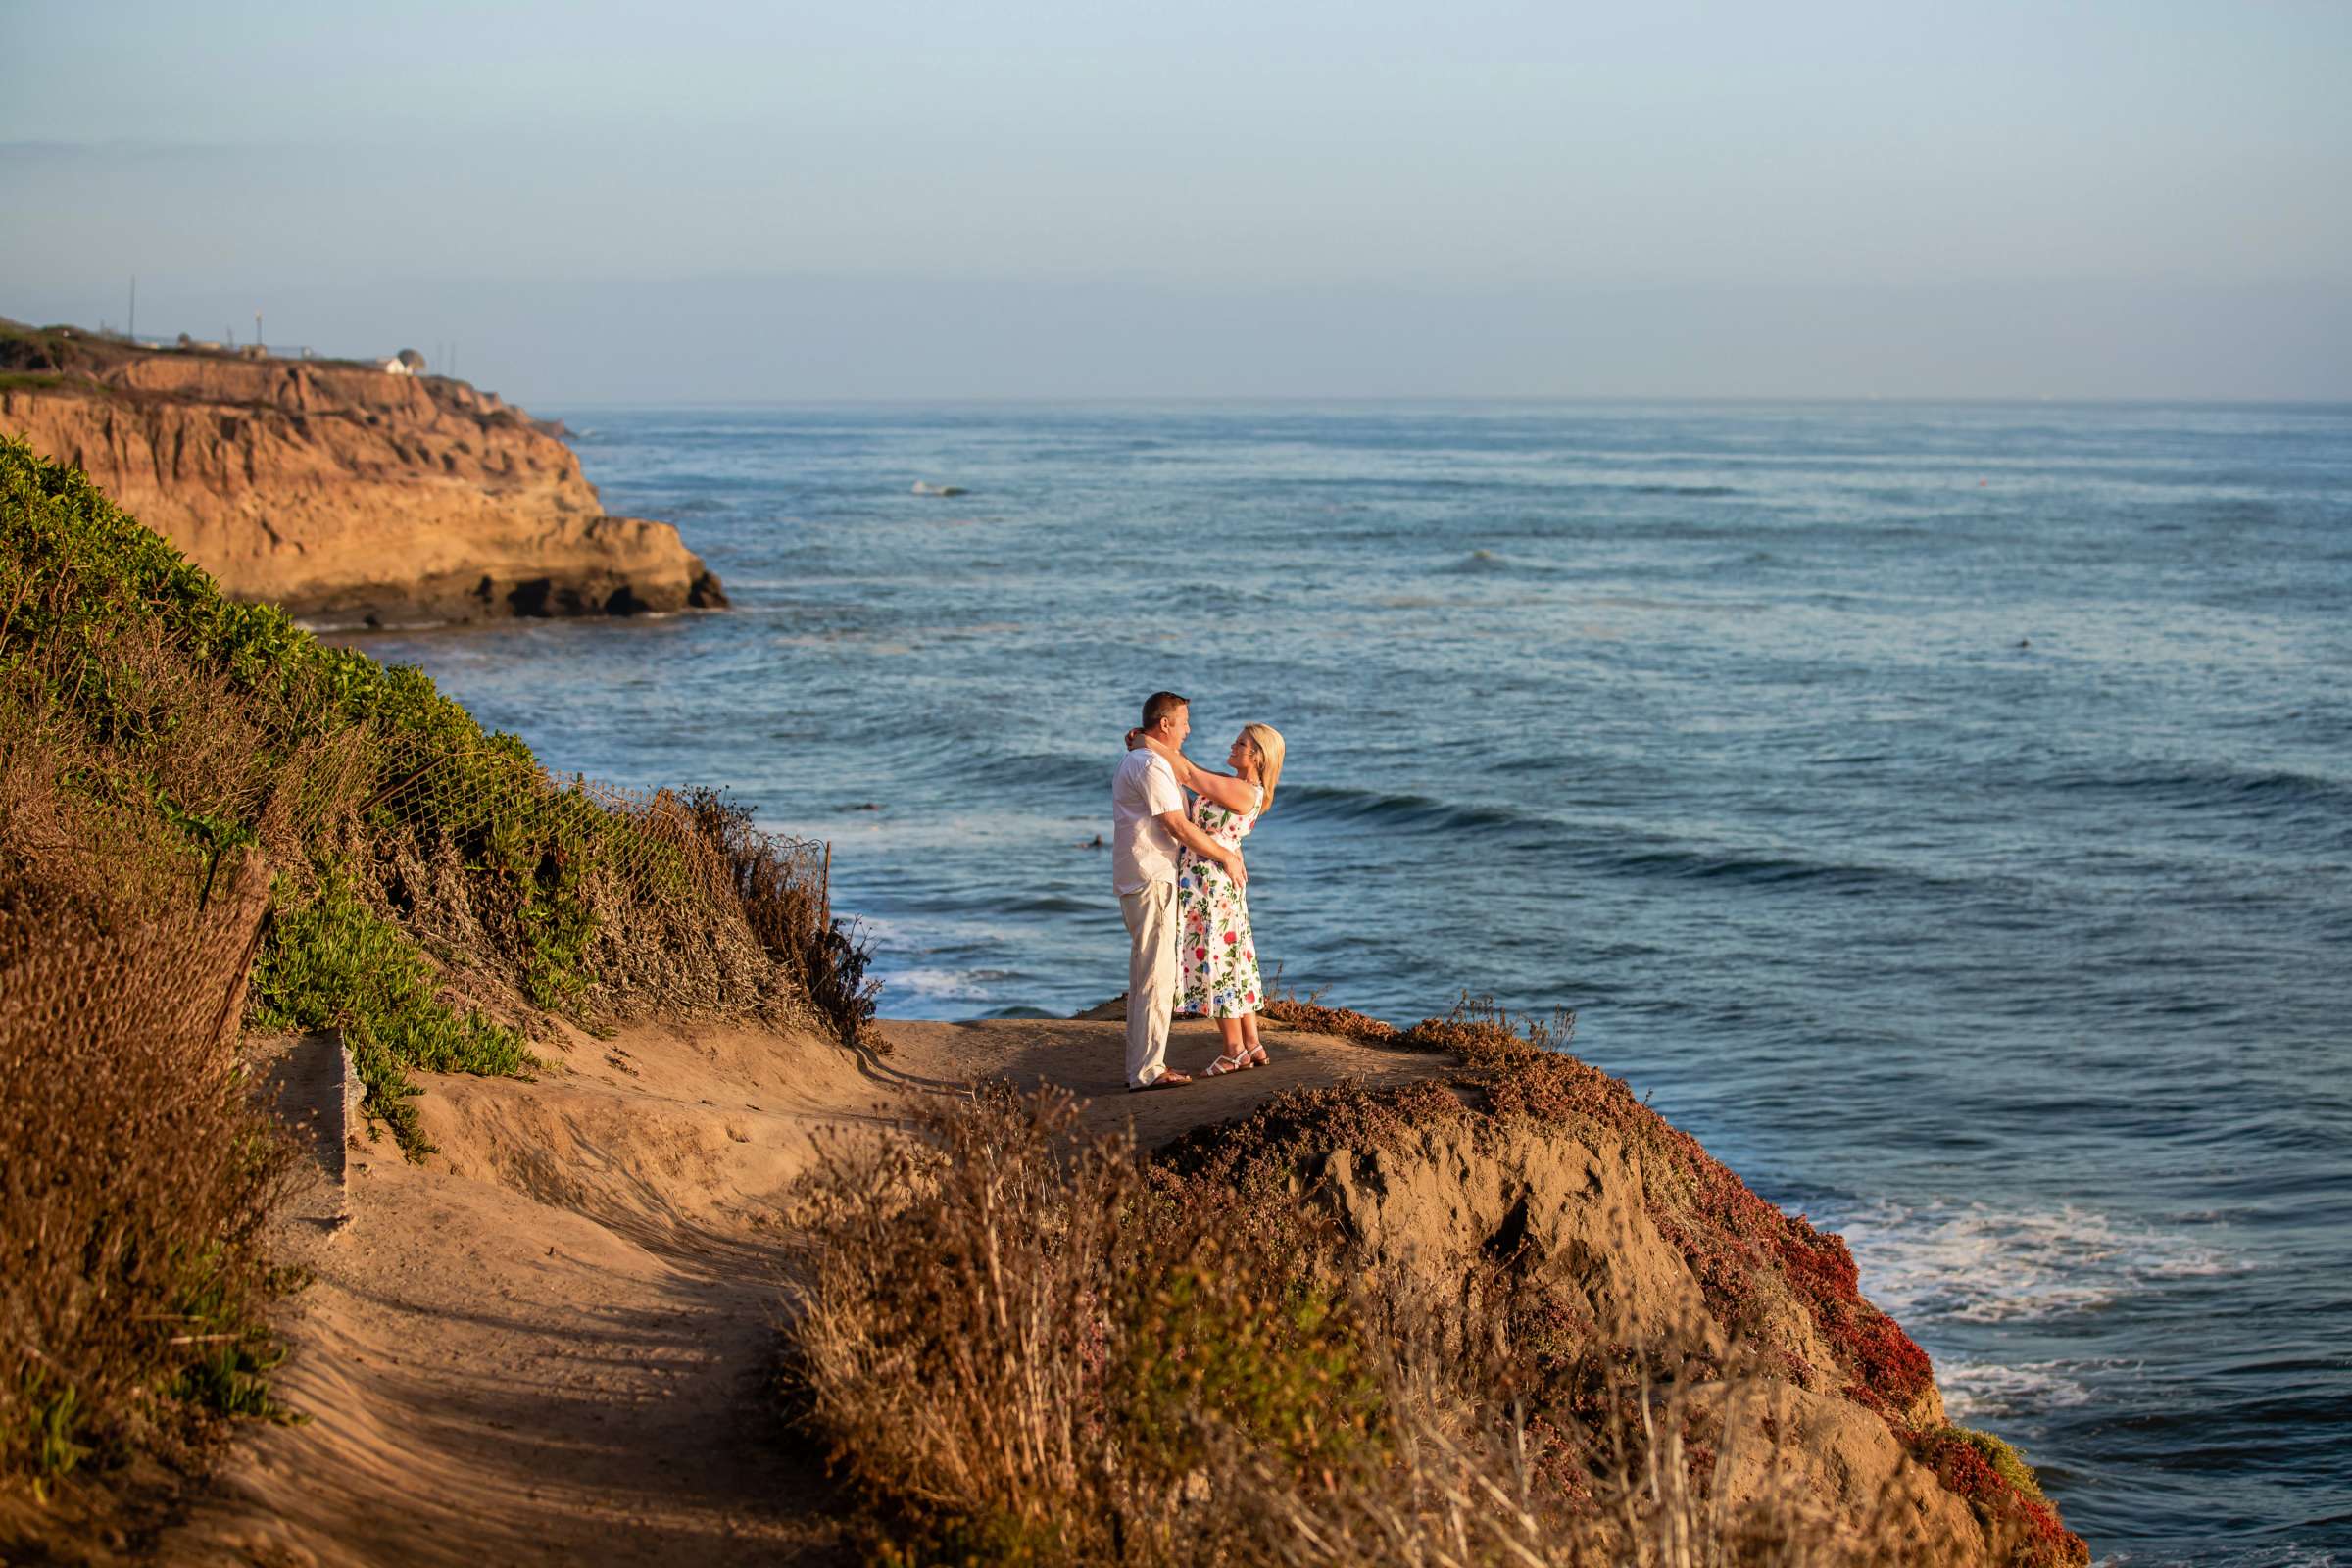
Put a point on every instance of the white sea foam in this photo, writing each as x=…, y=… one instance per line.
x=1974, y=1263
x=1975, y=1391
x=940, y=985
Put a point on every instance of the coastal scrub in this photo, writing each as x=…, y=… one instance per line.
x=135, y=1176
x=1020, y=1345
x=435, y=888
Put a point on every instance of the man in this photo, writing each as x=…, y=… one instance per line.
x=1147, y=824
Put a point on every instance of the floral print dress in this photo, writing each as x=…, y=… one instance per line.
x=1216, y=958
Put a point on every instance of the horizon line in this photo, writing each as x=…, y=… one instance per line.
x=1064, y=400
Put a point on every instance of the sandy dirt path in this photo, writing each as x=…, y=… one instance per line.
x=551, y=1341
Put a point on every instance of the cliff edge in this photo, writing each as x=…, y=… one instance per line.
x=339, y=490
x=1568, y=1220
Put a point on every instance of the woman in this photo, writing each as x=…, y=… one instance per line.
x=1216, y=956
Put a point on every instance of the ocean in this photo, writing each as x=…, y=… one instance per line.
x=1943, y=812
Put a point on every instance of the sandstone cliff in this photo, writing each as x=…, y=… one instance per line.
x=339, y=491
x=1534, y=1180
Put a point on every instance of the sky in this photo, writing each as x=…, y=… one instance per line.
x=587, y=201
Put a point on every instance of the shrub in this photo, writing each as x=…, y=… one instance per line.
x=195, y=791
x=134, y=1179
x=789, y=915
x=397, y=827
x=1011, y=1337
x=334, y=962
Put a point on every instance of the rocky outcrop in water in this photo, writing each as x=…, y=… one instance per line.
x=344, y=492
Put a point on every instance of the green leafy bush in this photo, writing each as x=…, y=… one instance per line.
x=336, y=963
x=2003, y=1492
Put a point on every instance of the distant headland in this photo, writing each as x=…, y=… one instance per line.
x=348, y=491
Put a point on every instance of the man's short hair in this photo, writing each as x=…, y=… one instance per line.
x=1159, y=704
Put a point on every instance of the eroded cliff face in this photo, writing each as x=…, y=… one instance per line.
x=1535, y=1179
x=341, y=492
x=1570, y=1211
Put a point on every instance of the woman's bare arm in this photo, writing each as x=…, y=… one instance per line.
x=1223, y=788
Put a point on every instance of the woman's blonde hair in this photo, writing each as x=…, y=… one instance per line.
x=1268, y=741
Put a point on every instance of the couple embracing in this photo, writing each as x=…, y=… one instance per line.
x=1181, y=885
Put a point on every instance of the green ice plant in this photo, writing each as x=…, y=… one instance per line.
x=333, y=962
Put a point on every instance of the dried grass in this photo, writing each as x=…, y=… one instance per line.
x=1021, y=1346
x=134, y=1178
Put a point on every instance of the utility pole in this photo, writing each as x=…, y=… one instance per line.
x=134, y=308
x=257, y=329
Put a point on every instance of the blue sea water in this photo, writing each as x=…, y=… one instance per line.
x=1946, y=812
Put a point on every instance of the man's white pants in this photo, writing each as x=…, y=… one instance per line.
x=1150, y=979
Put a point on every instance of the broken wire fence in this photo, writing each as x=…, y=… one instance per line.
x=647, y=838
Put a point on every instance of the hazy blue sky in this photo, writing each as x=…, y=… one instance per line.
x=1036, y=199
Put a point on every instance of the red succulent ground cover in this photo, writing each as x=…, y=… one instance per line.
x=2011, y=1514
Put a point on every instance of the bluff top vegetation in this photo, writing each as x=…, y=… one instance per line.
x=210, y=819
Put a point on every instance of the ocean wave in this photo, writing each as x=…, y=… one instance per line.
x=1049, y=904
x=2207, y=1554
x=1978, y=1391
x=1701, y=490
x=1712, y=864
x=885, y=931
x=1408, y=813
x=1045, y=770
x=1650, y=857
x=944, y=985
x=2192, y=786
x=1596, y=849
x=363, y=627
x=1974, y=1263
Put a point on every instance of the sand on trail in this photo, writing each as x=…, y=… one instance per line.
x=552, y=1340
